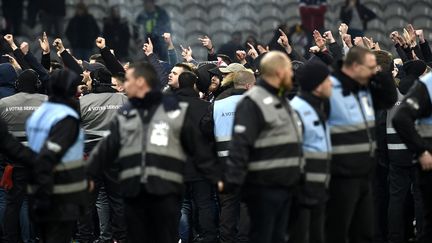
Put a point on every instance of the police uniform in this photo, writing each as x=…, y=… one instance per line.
x=233, y=221
x=416, y=107
x=265, y=156
x=15, y=110
x=60, y=191
x=317, y=154
x=352, y=121
x=150, y=140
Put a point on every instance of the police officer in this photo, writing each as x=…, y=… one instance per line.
x=351, y=120
x=312, y=105
x=98, y=108
x=54, y=133
x=15, y=110
x=233, y=218
x=417, y=107
x=150, y=140
x=265, y=153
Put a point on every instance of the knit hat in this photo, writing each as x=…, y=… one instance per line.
x=414, y=68
x=311, y=75
x=187, y=80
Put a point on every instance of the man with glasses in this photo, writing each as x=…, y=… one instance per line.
x=358, y=90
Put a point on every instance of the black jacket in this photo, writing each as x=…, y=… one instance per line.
x=199, y=108
x=415, y=105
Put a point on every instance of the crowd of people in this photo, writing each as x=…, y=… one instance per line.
x=255, y=144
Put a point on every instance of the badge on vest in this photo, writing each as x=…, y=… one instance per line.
x=159, y=134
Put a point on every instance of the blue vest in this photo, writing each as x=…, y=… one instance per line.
x=316, y=139
x=424, y=125
x=352, y=122
x=69, y=175
x=223, y=116
x=317, y=152
x=43, y=120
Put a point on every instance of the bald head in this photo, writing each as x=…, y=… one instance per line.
x=272, y=62
x=276, y=69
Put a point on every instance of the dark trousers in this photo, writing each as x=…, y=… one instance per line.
x=110, y=207
x=401, y=183
x=269, y=210
x=152, y=218
x=425, y=186
x=380, y=190
x=85, y=225
x=308, y=227
x=56, y=231
x=234, y=219
x=204, y=204
x=16, y=215
x=349, y=211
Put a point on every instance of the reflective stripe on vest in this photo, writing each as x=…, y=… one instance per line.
x=353, y=148
x=273, y=164
x=63, y=188
x=151, y=171
x=317, y=177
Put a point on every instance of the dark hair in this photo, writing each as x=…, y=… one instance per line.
x=187, y=79
x=184, y=66
x=356, y=55
x=146, y=70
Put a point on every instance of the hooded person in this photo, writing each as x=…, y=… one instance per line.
x=413, y=69
x=28, y=82
x=312, y=104
x=59, y=188
x=8, y=77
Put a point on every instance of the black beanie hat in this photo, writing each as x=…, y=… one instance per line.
x=414, y=68
x=28, y=81
x=187, y=80
x=311, y=75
